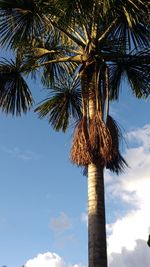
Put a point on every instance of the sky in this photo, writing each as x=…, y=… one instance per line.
x=43, y=197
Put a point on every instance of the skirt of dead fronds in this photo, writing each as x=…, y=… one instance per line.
x=98, y=143
x=80, y=151
x=116, y=163
x=100, y=139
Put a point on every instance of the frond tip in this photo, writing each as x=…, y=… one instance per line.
x=15, y=96
x=116, y=163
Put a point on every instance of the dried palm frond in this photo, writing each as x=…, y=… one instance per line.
x=116, y=162
x=80, y=151
x=100, y=139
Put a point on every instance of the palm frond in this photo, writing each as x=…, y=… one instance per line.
x=21, y=20
x=116, y=163
x=63, y=103
x=47, y=49
x=136, y=67
x=132, y=27
x=15, y=96
x=138, y=74
x=116, y=74
x=52, y=72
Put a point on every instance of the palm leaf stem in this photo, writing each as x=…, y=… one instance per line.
x=87, y=36
x=77, y=59
x=107, y=91
x=78, y=35
x=107, y=31
x=83, y=21
x=94, y=24
x=69, y=35
x=97, y=72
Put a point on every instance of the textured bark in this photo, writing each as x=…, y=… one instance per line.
x=96, y=217
x=96, y=203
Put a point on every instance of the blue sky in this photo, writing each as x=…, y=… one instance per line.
x=43, y=197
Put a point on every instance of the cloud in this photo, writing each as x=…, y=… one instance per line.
x=63, y=241
x=139, y=257
x=141, y=136
x=16, y=152
x=132, y=189
x=49, y=259
x=61, y=223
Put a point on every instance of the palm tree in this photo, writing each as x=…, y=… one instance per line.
x=83, y=50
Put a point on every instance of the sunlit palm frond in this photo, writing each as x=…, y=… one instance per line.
x=15, y=96
x=52, y=71
x=46, y=49
x=63, y=104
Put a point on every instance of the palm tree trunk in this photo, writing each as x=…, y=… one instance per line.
x=96, y=200
x=96, y=217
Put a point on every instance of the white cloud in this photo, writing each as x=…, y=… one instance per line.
x=20, y=154
x=141, y=136
x=61, y=223
x=132, y=188
x=139, y=257
x=49, y=259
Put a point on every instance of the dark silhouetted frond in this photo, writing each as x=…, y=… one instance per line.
x=15, y=96
x=136, y=68
x=116, y=163
x=23, y=20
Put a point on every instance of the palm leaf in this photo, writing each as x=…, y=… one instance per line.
x=137, y=70
x=116, y=163
x=132, y=26
x=46, y=49
x=63, y=103
x=116, y=73
x=15, y=96
x=53, y=71
x=21, y=20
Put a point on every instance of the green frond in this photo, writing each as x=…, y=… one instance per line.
x=15, y=96
x=63, y=104
x=48, y=49
x=53, y=71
